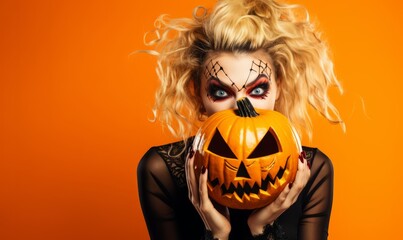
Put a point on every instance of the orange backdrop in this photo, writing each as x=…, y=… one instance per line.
x=74, y=109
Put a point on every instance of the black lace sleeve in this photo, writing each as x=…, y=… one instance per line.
x=317, y=201
x=271, y=232
x=163, y=197
x=156, y=191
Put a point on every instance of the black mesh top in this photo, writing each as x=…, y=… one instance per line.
x=169, y=214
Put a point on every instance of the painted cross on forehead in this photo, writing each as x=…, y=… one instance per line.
x=260, y=67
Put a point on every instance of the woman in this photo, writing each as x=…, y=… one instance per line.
x=258, y=49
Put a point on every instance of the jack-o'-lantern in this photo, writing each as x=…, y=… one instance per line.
x=250, y=155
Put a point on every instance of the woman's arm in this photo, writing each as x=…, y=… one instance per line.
x=318, y=200
x=157, y=191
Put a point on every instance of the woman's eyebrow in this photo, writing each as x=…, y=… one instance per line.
x=257, y=79
x=221, y=83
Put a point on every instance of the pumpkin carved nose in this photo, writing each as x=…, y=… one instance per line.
x=242, y=172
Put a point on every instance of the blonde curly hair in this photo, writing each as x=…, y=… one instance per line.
x=301, y=60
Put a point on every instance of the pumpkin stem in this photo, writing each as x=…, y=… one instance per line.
x=245, y=108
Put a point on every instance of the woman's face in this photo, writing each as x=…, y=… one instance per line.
x=228, y=77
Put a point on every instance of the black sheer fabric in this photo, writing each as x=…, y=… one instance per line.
x=169, y=214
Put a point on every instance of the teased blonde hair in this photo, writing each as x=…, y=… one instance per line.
x=302, y=65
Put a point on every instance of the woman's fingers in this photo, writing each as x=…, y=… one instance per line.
x=301, y=178
x=286, y=198
x=204, y=201
x=198, y=195
x=193, y=187
x=291, y=192
x=279, y=202
x=191, y=178
x=204, y=198
x=215, y=220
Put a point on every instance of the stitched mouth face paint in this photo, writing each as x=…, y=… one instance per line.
x=217, y=90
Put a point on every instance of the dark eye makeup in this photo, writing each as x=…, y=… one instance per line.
x=217, y=91
x=259, y=88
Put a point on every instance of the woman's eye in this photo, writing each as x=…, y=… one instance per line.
x=218, y=93
x=257, y=91
x=221, y=93
x=260, y=90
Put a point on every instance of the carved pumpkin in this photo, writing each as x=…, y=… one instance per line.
x=250, y=155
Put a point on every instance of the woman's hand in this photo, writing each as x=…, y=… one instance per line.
x=216, y=219
x=266, y=215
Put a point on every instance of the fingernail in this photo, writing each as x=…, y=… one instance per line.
x=309, y=164
x=301, y=158
x=191, y=153
x=203, y=170
x=290, y=185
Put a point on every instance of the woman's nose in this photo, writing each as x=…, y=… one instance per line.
x=235, y=106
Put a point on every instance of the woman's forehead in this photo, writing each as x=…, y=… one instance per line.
x=237, y=58
x=239, y=64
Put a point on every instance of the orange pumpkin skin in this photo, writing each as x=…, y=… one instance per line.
x=264, y=159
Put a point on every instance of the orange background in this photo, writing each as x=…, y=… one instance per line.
x=74, y=108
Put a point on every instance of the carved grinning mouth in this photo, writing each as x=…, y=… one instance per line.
x=247, y=190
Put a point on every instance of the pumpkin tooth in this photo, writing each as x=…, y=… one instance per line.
x=241, y=184
x=254, y=196
x=229, y=196
x=214, y=182
x=246, y=196
x=231, y=188
x=255, y=189
x=240, y=191
x=210, y=188
x=227, y=187
x=247, y=189
x=263, y=192
x=237, y=197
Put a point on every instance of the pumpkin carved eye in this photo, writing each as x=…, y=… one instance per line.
x=220, y=147
x=267, y=146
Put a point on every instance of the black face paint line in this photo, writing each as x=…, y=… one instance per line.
x=259, y=67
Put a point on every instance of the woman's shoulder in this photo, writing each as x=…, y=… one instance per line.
x=169, y=157
x=318, y=160
x=151, y=163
